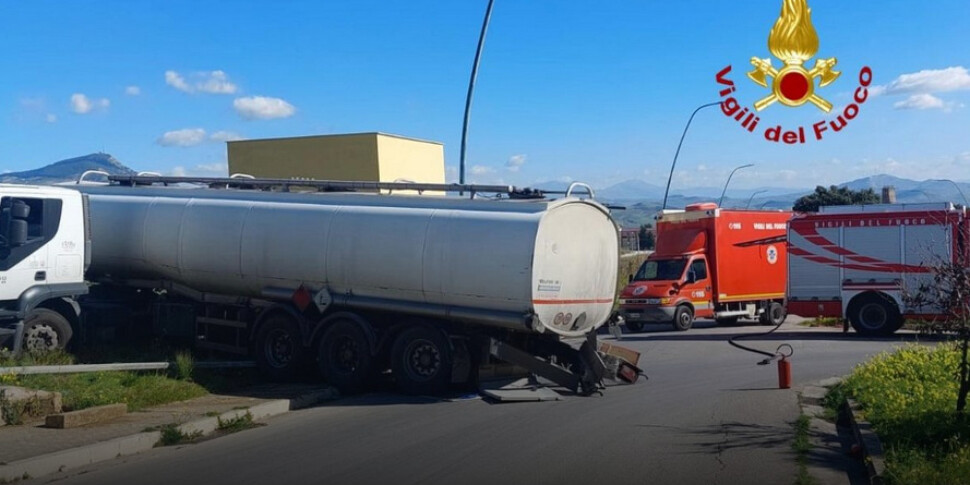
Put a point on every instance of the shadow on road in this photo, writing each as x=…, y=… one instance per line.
x=782, y=335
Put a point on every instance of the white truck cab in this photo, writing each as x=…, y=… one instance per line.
x=44, y=252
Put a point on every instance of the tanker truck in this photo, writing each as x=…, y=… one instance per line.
x=359, y=283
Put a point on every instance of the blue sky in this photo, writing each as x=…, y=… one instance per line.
x=567, y=90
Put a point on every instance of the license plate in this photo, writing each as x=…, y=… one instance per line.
x=633, y=316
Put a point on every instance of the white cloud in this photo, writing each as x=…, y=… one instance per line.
x=226, y=136
x=217, y=169
x=50, y=118
x=515, y=162
x=132, y=90
x=926, y=101
x=919, y=101
x=81, y=104
x=929, y=81
x=481, y=170
x=263, y=108
x=186, y=137
x=176, y=80
x=212, y=82
x=215, y=82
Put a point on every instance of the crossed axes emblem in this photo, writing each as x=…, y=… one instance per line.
x=796, y=80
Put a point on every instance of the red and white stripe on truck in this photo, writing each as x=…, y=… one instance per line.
x=856, y=262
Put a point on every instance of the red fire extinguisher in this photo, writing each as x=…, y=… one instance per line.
x=784, y=373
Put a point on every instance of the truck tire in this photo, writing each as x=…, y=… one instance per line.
x=421, y=360
x=46, y=330
x=774, y=314
x=279, y=348
x=874, y=314
x=344, y=357
x=683, y=318
x=634, y=327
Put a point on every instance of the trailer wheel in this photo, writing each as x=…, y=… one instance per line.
x=46, y=330
x=279, y=348
x=421, y=361
x=683, y=318
x=874, y=314
x=775, y=314
x=634, y=326
x=344, y=357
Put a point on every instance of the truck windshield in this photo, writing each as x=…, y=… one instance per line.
x=661, y=270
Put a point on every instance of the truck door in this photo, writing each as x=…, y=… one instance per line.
x=26, y=225
x=698, y=287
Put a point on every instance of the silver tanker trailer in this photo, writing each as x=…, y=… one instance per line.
x=427, y=286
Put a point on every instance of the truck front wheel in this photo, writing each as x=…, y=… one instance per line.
x=46, y=330
x=344, y=357
x=875, y=314
x=421, y=361
x=279, y=347
x=683, y=318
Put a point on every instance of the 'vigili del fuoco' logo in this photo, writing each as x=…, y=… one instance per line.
x=793, y=41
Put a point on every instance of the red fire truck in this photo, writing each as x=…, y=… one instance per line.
x=711, y=263
x=855, y=262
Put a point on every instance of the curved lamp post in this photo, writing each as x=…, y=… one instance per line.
x=719, y=201
x=682, y=135
x=965, y=203
x=752, y=197
x=471, y=88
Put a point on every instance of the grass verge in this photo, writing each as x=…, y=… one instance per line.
x=802, y=446
x=172, y=435
x=909, y=396
x=239, y=423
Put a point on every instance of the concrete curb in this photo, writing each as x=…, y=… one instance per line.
x=868, y=440
x=129, y=445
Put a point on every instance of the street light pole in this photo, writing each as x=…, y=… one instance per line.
x=752, y=197
x=682, y=135
x=471, y=88
x=721, y=200
x=965, y=204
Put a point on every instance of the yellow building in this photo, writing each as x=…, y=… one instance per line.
x=371, y=157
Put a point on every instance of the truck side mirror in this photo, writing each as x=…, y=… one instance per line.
x=17, y=235
x=691, y=277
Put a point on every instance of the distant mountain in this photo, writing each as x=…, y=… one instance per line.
x=877, y=182
x=631, y=190
x=68, y=170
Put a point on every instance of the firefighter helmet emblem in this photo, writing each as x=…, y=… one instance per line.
x=772, y=253
x=793, y=41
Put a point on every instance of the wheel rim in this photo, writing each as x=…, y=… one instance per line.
x=873, y=316
x=776, y=314
x=40, y=338
x=344, y=355
x=279, y=348
x=684, y=319
x=422, y=360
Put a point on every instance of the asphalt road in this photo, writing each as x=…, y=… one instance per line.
x=707, y=415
